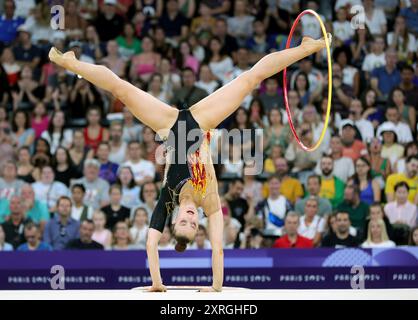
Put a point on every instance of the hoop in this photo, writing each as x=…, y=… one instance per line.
x=289, y=114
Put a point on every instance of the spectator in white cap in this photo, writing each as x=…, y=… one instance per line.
x=391, y=149
x=97, y=189
x=402, y=129
x=109, y=24
x=77, y=47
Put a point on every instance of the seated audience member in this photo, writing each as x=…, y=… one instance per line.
x=4, y=246
x=201, y=241
x=291, y=238
x=377, y=236
x=313, y=189
x=101, y=234
x=139, y=229
x=62, y=228
x=413, y=238
x=376, y=212
x=85, y=242
x=311, y=225
x=115, y=212
x=13, y=227
x=79, y=210
x=342, y=237
x=332, y=188
x=33, y=239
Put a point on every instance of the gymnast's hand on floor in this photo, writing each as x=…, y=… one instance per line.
x=209, y=289
x=157, y=288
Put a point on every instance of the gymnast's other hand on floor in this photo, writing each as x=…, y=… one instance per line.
x=157, y=288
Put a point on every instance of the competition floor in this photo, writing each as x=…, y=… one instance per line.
x=190, y=293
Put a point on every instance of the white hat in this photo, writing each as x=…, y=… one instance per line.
x=23, y=28
x=346, y=122
x=110, y=2
x=387, y=127
x=58, y=35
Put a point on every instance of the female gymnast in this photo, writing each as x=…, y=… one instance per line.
x=190, y=183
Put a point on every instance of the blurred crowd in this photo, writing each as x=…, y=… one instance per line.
x=78, y=171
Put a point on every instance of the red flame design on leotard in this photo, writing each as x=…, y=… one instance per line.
x=198, y=169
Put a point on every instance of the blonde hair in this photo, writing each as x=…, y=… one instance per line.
x=383, y=233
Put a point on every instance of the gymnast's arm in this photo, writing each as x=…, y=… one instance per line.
x=156, y=228
x=216, y=228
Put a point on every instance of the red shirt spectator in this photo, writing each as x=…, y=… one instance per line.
x=285, y=242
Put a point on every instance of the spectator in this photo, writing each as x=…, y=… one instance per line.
x=410, y=177
x=13, y=227
x=121, y=237
x=401, y=40
x=407, y=113
x=400, y=211
x=24, y=166
x=343, y=166
x=173, y=21
x=312, y=226
x=9, y=184
x=353, y=147
x=291, y=238
x=201, y=241
x=219, y=62
x=155, y=87
x=139, y=229
x=4, y=246
x=273, y=209
x=239, y=206
x=376, y=58
x=332, y=188
x=376, y=212
x=22, y=133
x=109, y=24
x=40, y=119
x=357, y=209
x=271, y=99
x=391, y=149
x=143, y=170
x=26, y=53
x=413, y=239
x=85, y=242
x=380, y=166
x=410, y=14
x=64, y=169
x=377, y=236
x=132, y=131
x=252, y=191
x=369, y=187
x=402, y=130
x=364, y=126
x=276, y=133
x=313, y=189
x=113, y=60
x=62, y=228
x=48, y=190
x=411, y=149
x=128, y=44
x=408, y=87
x=118, y=147
x=94, y=133
x=9, y=23
x=342, y=237
x=101, y=234
x=385, y=78
x=79, y=210
x=82, y=97
x=146, y=63
x=130, y=191
x=189, y=94
x=74, y=22
x=57, y=133
x=148, y=197
x=290, y=187
x=115, y=212
x=205, y=21
x=108, y=170
x=185, y=58
x=372, y=111
x=232, y=226
x=207, y=80
x=240, y=24
x=33, y=239
x=79, y=152
x=97, y=189
x=375, y=18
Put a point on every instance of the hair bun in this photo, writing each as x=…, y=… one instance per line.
x=180, y=247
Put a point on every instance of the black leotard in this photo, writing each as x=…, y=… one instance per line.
x=179, y=171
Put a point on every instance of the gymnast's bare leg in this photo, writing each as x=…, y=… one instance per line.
x=149, y=110
x=215, y=108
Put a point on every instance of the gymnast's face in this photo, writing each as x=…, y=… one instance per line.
x=186, y=222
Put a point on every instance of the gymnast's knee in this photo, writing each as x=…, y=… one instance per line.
x=252, y=78
x=119, y=89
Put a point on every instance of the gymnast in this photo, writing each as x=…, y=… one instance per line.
x=191, y=183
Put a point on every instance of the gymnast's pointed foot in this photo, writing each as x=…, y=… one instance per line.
x=59, y=58
x=313, y=45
